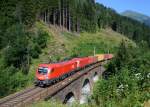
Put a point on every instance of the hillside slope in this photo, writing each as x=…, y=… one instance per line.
x=62, y=45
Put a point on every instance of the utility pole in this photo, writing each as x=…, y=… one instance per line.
x=94, y=51
x=108, y=51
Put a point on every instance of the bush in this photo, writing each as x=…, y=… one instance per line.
x=11, y=79
x=39, y=42
x=127, y=84
x=42, y=39
x=35, y=50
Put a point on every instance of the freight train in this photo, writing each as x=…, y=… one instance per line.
x=48, y=74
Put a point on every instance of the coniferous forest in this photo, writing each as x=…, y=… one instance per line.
x=19, y=45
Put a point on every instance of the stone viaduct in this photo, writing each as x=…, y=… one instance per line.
x=80, y=89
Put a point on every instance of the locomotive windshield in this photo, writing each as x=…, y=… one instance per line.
x=42, y=70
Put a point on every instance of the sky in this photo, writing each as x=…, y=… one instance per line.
x=141, y=6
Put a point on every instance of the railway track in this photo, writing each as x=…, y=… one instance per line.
x=18, y=97
x=28, y=96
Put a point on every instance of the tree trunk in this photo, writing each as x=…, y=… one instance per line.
x=69, y=24
x=66, y=16
x=54, y=17
x=63, y=13
x=45, y=16
x=78, y=26
x=48, y=17
x=60, y=13
x=63, y=17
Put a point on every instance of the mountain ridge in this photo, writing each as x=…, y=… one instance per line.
x=137, y=16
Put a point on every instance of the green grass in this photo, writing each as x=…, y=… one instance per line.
x=58, y=104
x=47, y=104
x=105, y=41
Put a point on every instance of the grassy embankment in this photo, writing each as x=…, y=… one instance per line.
x=62, y=45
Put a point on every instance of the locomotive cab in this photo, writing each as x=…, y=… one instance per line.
x=44, y=70
x=42, y=76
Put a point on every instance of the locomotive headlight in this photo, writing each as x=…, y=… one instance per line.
x=49, y=71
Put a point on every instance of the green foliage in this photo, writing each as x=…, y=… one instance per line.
x=53, y=103
x=15, y=52
x=35, y=50
x=10, y=80
x=41, y=39
x=28, y=10
x=39, y=43
x=20, y=47
x=127, y=83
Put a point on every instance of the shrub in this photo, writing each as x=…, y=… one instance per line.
x=10, y=80
x=42, y=39
x=127, y=84
x=35, y=50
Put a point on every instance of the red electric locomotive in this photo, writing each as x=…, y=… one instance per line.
x=47, y=74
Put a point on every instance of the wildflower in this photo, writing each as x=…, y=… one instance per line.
x=138, y=76
x=148, y=75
